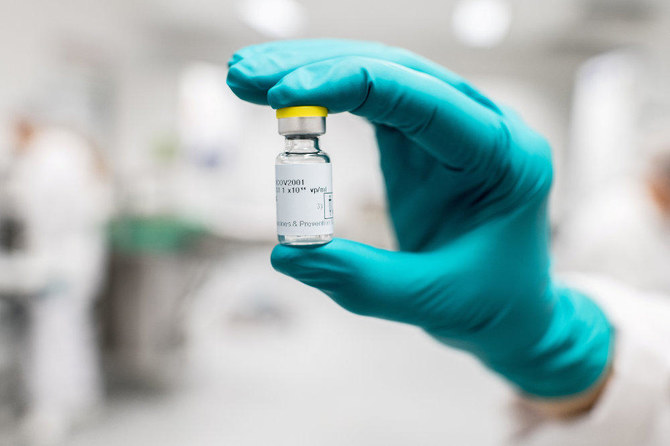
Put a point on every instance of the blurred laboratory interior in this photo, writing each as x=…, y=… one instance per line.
x=137, y=301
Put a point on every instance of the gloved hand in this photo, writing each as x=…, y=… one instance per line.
x=467, y=184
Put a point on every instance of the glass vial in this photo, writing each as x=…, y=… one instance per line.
x=304, y=184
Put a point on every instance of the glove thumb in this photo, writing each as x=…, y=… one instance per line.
x=360, y=278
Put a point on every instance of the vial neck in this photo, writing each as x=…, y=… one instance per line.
x=302, y=144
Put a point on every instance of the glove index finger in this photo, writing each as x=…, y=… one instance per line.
x=257, y=68
x=456, y=130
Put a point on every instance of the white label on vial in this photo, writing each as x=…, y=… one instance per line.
x=304, y=199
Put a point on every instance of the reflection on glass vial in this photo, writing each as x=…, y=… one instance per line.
x=303, y=179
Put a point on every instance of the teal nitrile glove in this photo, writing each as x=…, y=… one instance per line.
x=467, y=184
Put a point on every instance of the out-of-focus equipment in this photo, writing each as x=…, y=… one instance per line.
x=157, y=266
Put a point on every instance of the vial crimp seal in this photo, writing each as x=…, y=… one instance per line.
x=304, y=188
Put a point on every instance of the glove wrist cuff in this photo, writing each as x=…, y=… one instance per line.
x=573, y=355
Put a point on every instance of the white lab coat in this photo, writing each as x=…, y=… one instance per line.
x=63, y=201
x=635, y=406
x=619, y=232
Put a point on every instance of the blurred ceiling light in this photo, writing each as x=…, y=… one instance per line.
x=274, y=18
x=481, y=23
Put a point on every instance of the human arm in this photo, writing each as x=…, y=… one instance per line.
x=467, y=184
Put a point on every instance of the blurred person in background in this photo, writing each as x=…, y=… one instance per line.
x=467, y=183
x=57, y=193
x=623, y=230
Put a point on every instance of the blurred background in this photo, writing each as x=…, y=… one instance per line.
x=137, y=302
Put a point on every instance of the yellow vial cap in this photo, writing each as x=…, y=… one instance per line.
x=304, y=111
